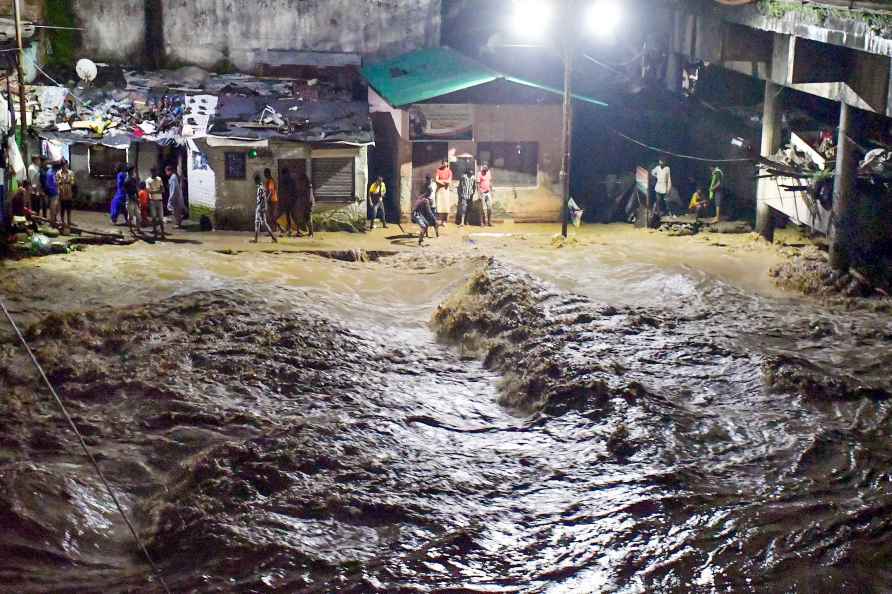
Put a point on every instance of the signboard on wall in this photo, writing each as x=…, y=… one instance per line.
x=436, y=121
x=642, y=179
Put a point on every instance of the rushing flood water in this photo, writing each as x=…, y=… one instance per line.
x=549, y=421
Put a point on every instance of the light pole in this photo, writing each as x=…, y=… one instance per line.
x=602, y=17
x=567, y=143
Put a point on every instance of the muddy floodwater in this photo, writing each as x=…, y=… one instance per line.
x=629, y=413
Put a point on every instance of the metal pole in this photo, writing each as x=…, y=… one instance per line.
x=23, y=103
x=567, y=134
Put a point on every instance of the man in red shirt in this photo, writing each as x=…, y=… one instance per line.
x=443, y=179
x=484, y=188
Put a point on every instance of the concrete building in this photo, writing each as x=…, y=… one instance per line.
x=831, y=52
x=436, y=104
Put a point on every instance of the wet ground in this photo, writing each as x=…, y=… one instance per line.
x=627, y=413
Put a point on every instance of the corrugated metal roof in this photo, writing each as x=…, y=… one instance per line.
x=430, y=73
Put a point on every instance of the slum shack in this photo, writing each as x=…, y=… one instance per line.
x=217, y=131
x=96, y=128
x=437, y=104
x=317, y=126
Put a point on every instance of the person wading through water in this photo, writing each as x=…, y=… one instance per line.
x=424, y=216
x=260, y=210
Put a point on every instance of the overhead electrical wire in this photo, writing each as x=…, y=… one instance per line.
x=680, y=155
x=86, y=450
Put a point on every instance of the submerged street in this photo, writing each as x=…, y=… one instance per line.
x=629, y=413
x=446, y=297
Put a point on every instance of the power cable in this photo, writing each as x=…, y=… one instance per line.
x=679, y=155
x=86, y=450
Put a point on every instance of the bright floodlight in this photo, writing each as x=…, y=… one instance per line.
x=604, y=17
x=531, y=17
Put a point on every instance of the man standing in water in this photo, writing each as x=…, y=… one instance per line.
x=443, y=180
x=38, y=203
x=484, y=186
x=65, y=183
x=304, y=204
x=717, y=191
x=175, y=201
x=377, y=192
x=155, y=186
x=287, y=196
x=466, y=188
x=272, y=190
x=260, y=210
x=663, y=186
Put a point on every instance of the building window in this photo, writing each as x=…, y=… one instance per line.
x=513, y=164
x=236, y=165
x=334, y=179
x=103, y=161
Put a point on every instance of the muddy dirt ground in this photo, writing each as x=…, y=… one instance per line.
x=497, y=412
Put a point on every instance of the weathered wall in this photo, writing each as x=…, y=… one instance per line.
x=510, y=123
x=235, y=199
x=113, y=31
x=32, y=10
x=243, y=33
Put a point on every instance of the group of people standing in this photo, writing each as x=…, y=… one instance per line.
x=291, y=196
x=141, y=202
x=473, y=192
x=49, y=190
x=701, y=201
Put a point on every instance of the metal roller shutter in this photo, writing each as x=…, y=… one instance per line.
x=333, y=179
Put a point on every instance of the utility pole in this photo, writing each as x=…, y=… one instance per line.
x=567, y=134
x=20, y=66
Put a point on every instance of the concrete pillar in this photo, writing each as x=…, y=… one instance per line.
x=842, y=232
x=673, y=72
x=771, y=138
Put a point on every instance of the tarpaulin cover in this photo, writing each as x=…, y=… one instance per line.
x=430, y=73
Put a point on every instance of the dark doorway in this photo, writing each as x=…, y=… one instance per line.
x=426, y=158
x=384, y=161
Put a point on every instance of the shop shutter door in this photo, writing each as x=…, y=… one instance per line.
x=333, y=179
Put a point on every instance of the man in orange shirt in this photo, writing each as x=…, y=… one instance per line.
x=272, y=189
x=443, y=179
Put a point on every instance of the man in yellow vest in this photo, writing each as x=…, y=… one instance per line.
x=377, y=192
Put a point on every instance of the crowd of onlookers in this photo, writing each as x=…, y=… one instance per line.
x=291, y=196
x=431, y=207
x=46, y=195
x=141, y=201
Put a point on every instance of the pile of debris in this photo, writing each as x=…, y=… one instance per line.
x=680, y=226
x=173, y=106
x=809, y=272
x=688, y=225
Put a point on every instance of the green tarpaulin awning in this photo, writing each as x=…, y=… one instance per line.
x=429, y=73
